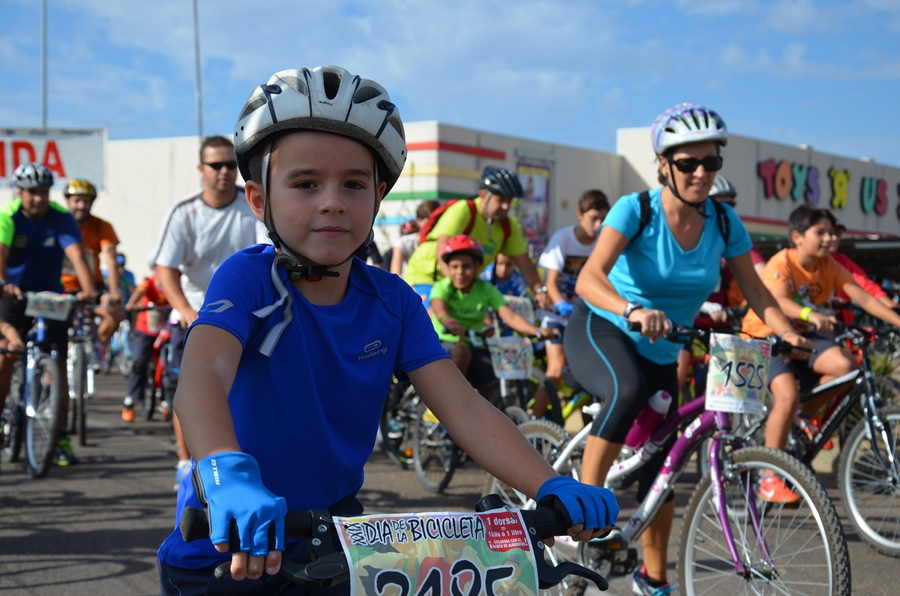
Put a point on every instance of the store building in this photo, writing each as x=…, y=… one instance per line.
x=143, y=178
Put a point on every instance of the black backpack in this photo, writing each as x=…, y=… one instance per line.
x=721, y=217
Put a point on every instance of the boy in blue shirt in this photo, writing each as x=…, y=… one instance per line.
x=286, y=369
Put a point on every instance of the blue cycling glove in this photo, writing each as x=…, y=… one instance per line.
x=564, y=308
x=592, y=506
x=230, y=487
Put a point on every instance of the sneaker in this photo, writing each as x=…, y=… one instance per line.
x=773, y=490
x=182, y=470
x=64, y=455
x=128, y=413
x=642, y=587
x=811, y=428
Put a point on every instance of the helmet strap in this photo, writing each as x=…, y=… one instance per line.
x=297, y=270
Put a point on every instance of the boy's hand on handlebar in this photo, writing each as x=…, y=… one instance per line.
x=654, y=323
x=87, y=296
x=720, y=316
x=547, y=333
x=11, y=292
x=822, y=322
x=797, y=340
x=454, y=328
x=590, y=511
x=237, y=503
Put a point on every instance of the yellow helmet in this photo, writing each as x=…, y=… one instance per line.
x=80, y=186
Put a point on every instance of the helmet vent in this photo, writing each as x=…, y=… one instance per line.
x=364, y=94
x=398, y=126
x=332, y=83
x=252, y=106
x=296, y=84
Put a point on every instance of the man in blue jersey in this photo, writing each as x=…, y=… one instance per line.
x=36, y=234
x=286, y=368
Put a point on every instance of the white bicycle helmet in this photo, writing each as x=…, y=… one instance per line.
x=33, y=175
x=722, y=187
x=687, y=123
x=328, y=99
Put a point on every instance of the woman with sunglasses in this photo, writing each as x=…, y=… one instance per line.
x=651, y=272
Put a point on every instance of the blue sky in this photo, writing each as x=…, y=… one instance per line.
x=824, y=73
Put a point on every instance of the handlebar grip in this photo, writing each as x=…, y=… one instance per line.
x=195, y=526
x=546, y=521
x=634, y=326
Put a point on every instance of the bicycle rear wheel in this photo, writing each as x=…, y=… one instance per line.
x=870, y=492
x=148, y=400
x=43, y=411
x=436, y=456
x=807, y=551
x=12, y=417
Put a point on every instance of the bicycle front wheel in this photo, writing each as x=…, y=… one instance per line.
x=435, y=454
x=43, y=411
x=869, y=487
x=807, y=553
x=12, y=418
x=396, y=425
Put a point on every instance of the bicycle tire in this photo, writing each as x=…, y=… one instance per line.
x=42, y=424
x=13, y=416
x=435, y=455
x=78, y=406
x=888, y=390
x=795, y=560
x=148, y=400
x=395, y=425
x=859, y=473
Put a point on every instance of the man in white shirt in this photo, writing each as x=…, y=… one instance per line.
x=198, y=234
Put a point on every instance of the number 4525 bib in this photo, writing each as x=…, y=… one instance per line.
x=738, y=374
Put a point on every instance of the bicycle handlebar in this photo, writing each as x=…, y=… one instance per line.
x=329, y=565
x=681, y=334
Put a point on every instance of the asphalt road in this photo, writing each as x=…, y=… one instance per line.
x=93, y=529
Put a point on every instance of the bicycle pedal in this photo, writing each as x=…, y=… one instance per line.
x=625, y=562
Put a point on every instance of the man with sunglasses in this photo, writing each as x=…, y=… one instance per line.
x=198, y=234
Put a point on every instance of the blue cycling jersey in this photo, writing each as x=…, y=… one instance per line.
x=309, y=412
x=656, y=272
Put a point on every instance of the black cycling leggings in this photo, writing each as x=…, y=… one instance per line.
x=604, y=361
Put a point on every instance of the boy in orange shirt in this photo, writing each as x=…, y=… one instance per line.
x=802, y=279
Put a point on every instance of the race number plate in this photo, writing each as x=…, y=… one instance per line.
x=738, y=374
x=49, y=305
x=439, y=554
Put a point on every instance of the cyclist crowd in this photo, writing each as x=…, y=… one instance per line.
x=249, y=307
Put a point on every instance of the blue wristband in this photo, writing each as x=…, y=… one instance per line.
x=592, y=506
x=230, y=486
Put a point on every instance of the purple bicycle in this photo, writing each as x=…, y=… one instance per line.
x=732, y=540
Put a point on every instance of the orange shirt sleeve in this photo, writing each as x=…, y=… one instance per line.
x=107, y=234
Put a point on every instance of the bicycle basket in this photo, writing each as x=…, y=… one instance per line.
x=49, y=305
x=511, y=357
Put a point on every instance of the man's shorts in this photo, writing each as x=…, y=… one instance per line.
x=803, y=369
x=13, y=312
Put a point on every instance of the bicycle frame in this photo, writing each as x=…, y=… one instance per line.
x=703, y=425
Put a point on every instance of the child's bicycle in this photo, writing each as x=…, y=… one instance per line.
x=436, y=456
x=34, y=406
x=869, y=462
x=159, y=390
x=333, y=554
x=732, y=541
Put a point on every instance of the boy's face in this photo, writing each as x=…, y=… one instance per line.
x=816, y=240
x=322, y=195
x=35, y=202
x=503, y=267
x=463, y=269
x=590, y=220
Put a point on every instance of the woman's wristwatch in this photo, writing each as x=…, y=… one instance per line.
x=630, y=308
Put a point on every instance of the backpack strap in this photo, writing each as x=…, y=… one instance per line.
x=646, y=212
x=722, y=220
x=473, y=213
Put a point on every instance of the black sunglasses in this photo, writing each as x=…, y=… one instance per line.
x=689, y=165
x=218, y=165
